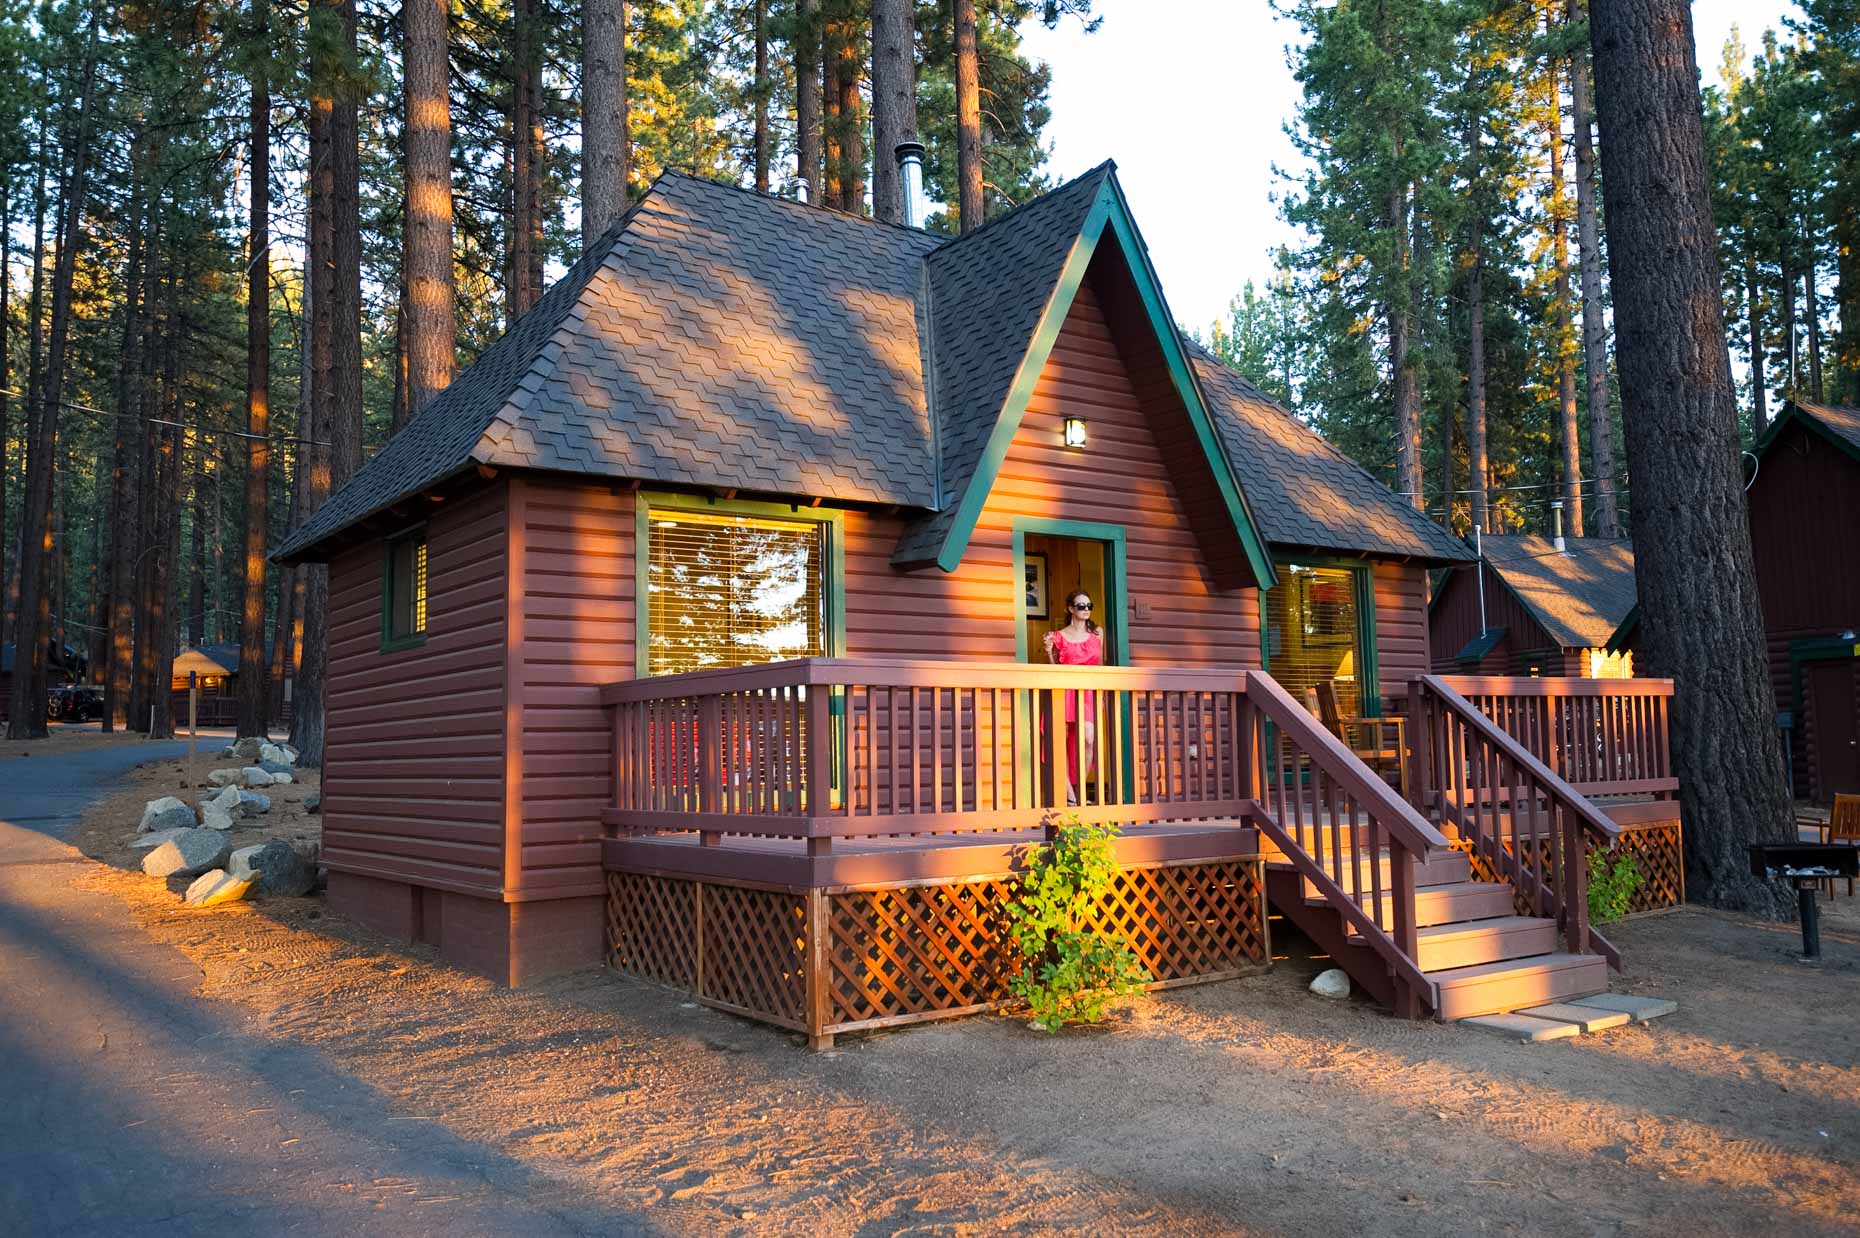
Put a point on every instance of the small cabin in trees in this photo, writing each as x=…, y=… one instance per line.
x=1535, y=606
x=698, y=624
x=1805, y=536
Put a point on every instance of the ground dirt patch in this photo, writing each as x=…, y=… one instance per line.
x=1236, y=1107
x=69, y=737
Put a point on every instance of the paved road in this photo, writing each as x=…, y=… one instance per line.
x=130, y=1106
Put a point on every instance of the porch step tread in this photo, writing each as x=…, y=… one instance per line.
x=1516, y=984
x=1453, y=902
x=1467, y=943
x=1478, y=928
x=1521, y=1027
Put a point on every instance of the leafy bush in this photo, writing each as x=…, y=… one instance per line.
x=1070, y=972
x=1613, y=881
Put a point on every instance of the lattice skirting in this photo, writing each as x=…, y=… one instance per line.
x=828, y=961
x=1658, y=848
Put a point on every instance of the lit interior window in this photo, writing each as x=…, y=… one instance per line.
x=729, y=590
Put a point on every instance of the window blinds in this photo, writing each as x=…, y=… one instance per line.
x=728, y=590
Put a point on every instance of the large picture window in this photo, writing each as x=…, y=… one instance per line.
x=1314, y=634
x=733, y=590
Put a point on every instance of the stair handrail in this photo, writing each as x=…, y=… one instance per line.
x=1411, y=838
x=1588, y=817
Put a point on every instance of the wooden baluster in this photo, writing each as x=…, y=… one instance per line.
x=871, y=749
x=1576, y=883
x=1353, y=862
x=1246, y=771
x=1374, y=841
x=1406, y=935
x=819, y=740
x=1054, y=784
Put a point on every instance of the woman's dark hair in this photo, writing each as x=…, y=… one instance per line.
x=1070, y=598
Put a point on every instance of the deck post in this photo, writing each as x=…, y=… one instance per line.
x=1420, y=734
x=818, y=997
x=819, y=741
x=1401, y=873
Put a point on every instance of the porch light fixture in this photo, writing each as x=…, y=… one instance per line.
x=1075, y=432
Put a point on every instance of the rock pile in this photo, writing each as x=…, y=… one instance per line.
x=166, y=813
x=188, y=854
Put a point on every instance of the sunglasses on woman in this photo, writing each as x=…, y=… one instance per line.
x=1081, y=606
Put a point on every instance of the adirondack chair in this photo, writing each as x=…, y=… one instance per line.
x=1844, y=827
x=1375, y=741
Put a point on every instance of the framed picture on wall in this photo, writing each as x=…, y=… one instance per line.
x=1036, y=585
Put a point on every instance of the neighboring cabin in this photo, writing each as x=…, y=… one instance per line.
x=1548, y=609
x=1805, y=533
x=743, y=429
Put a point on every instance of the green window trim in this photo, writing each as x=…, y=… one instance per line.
x=1115, y=575
x=833, y=583
x=393, y=641
x=1363, y=585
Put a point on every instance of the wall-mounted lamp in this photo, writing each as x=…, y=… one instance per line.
x=1075, y=431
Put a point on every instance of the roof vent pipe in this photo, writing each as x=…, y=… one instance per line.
x=1556, y=525
x=910, y=156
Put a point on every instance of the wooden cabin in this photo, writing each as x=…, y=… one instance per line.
x=1805, y=536
x=699, y=612
x=1535, y=607
x=213, y=672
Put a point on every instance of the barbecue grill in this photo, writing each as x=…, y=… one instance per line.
x=1806, y=864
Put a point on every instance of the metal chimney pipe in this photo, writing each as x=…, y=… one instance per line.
x=1556, y=525
x=910, y=157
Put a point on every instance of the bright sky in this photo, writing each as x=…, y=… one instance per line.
x=1191, y=99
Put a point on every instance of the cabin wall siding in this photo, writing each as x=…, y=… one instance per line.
x=1454, y=623
x=1120, y=478
x=1805, y=555
x=412, y=776
x=578, y=628
x=1404, y=645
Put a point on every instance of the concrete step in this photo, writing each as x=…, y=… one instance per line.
x=1441, y=947
x=1496, y=988
x=1450, y=903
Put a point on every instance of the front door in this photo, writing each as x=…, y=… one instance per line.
x=1054, y=567
x=1836, y=710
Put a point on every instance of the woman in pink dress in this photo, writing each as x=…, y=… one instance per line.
x=1079, y=643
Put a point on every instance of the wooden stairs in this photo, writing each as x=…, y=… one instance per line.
x=1476, y=954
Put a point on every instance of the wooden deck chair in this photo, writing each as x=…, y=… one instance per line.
x=1363, y=736
x=1844, y=827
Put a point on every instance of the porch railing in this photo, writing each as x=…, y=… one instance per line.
x=823, y=748
x=1605, y=737
x=1517, y=815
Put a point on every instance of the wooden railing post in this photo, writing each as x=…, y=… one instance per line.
x=819, y=740
x=1420, y=731
x=1407, y=935
x=1248, y=715
x=1575, y=882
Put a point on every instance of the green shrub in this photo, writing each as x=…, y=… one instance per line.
x=1070, y=972
x=1613, y=881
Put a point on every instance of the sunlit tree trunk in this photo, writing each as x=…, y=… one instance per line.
x=427, y=318
x=807, y=138
x=605, y=154
x=1569, y=427
x=894, y=102
x=1594, y=319
x=968, y=119
x=759, y=91
x=252, y=685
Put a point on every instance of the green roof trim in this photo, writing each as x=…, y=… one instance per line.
x=1109, y=212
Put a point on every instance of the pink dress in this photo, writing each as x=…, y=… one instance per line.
x=1087, y=652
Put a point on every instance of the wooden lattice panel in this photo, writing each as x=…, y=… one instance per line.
x=755, y=953
x=917, y=949
x=1189, y=920
x=652, y=928
x=1659, y=850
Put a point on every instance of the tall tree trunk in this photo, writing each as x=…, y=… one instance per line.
x=1811, y=306
x=604, y=150
x=1753, y=298
x=968, y=118
x=850, y=43
x=759, y=92
x=6, y=374
x=1475, y=337
x=1594, y=319
x=1700, y=619
x=35, y=334
x=525, y=228
x=167, y=522
x=894, y=102
x=1569, y=428
x=26, y=711
x=1401, y=371
x=830, y=187
x=1792, y=354
x=252, y=687
x=428, y=319
x=145, y=454
x=1847, y=298
x=197, y=548
x=807, y=137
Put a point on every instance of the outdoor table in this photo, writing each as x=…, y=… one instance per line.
x=1807, y=865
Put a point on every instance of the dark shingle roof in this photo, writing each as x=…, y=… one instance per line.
x=1579, y=597
x=712, y=337
x=1837, y=422
x=1302, y=490
x=718, y=337
x=988, y=292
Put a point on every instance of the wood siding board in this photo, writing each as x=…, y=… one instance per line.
x=411, y=786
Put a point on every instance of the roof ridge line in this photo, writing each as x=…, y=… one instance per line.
x=952, y=242
x=830, y=211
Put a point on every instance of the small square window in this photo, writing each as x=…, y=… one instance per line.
x=404, y=600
